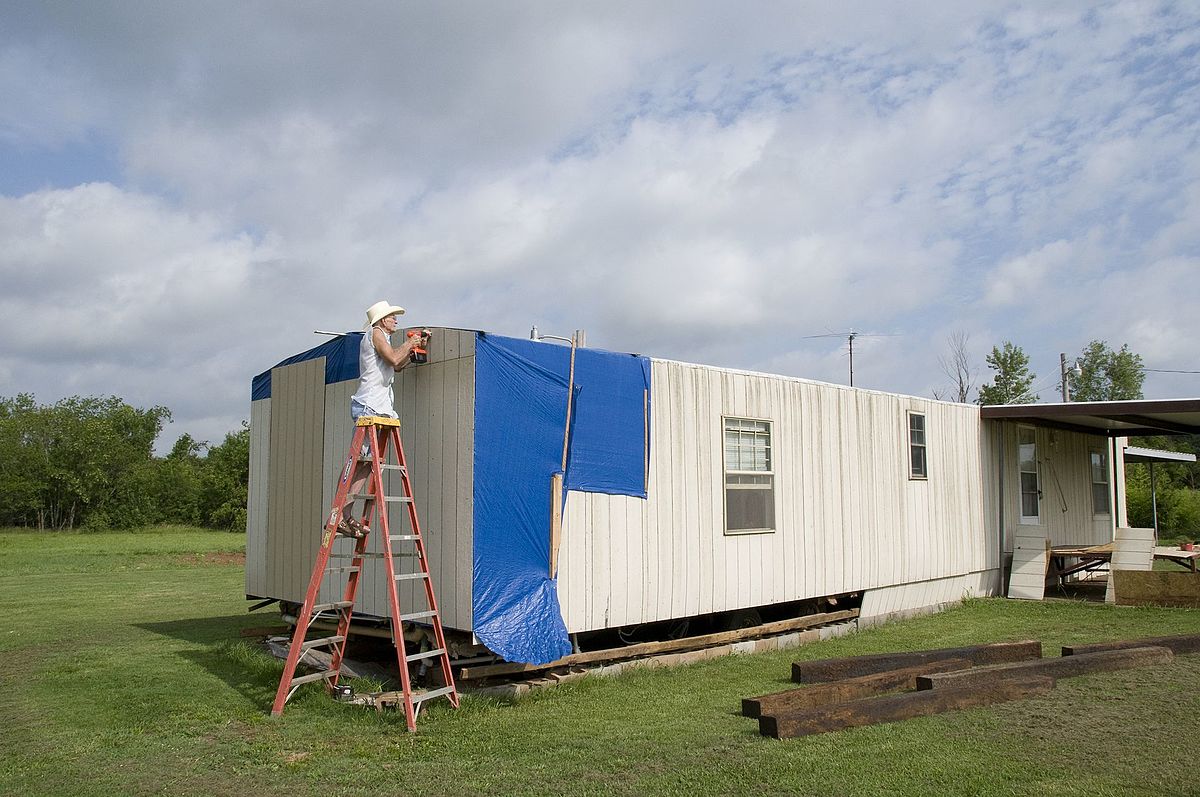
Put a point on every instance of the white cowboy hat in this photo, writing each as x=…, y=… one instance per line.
x=381, y=310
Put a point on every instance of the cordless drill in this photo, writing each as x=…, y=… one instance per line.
x=419, y=355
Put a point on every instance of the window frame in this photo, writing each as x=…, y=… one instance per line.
x=726, y=472
x=923, y=446
x=1108, y=498
x=1028, y=520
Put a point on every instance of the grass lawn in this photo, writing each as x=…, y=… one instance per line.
x=124, y=673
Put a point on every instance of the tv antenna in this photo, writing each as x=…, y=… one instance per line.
x=850, y=335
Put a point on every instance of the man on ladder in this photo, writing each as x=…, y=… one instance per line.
x=376, y=439
x=378, y=363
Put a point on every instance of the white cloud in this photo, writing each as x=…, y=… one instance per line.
x=688, y=180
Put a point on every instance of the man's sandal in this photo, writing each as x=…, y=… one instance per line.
x=349, y=527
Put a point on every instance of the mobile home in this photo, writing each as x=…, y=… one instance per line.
x=689, y=490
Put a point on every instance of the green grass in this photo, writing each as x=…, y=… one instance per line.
x=124, y=673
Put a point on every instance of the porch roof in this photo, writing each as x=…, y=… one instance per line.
x=1106, y=418
x=1136, y=454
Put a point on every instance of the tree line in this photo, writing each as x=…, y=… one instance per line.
x=88, y=462
x=1099, y=373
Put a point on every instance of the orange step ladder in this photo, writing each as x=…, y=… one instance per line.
x=374, y=438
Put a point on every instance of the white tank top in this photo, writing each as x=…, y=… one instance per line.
x=375, y=379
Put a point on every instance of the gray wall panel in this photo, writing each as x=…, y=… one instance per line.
x=294, y=510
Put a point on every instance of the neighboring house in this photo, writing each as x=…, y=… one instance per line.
x=692, y=491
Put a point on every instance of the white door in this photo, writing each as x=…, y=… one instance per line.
x=1027, y=465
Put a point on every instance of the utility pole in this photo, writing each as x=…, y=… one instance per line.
x=853, y=335
x=1076, y=369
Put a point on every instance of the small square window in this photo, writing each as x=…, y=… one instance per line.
x=918, y=458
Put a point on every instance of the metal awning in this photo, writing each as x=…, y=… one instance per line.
x=1137, y=454
x=1106, y=418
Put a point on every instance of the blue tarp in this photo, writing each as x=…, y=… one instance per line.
x=341, y=363
x=520, y=417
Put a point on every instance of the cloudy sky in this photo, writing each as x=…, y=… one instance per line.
x=187, y=190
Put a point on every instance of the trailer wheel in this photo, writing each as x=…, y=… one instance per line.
x=743, y=618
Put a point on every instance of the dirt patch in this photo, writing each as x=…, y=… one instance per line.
x=213, y=558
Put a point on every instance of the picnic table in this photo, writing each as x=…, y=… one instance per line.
x=1172, y=553
x=1092, y=557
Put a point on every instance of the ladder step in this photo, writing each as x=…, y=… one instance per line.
x=411, y=576
x=383, y=465
x=397, y=499
x=316, y=676
x=403, y=537
x=429, y=654
x=363, y=555
x=342, y=569
x=322, y=642
x=324, y=607
x=418, y=615
x=431, y=694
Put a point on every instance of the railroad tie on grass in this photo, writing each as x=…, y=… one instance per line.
x=1065, y=667
x=1179, y=645
x=826, y=670
x=893, y=708
x=846, y=689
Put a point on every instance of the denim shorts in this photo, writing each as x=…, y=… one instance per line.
x=357, y=408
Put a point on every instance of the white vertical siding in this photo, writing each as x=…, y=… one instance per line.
x=848, y=517
x=902, y=599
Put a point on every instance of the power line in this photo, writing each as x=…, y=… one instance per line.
x=1168, y=371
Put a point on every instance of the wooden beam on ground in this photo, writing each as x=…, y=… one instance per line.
x=1066, y=667
x=1179, y=645
x=825, y=670
x=846, y=689
x=893, y=708
x=667, y=646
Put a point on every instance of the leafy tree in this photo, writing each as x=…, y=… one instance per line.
x=88, y=461
x=225, y=482
x=1108, y=375
x=83, y=460
x=1012, y=383
x=177, y=482
x=23, y=470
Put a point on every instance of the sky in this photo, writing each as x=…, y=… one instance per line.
x=188, y=190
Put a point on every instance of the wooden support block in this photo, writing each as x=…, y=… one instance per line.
x=846, y=689
x=1179, y=645
x=1066, y=667
x=893, y=708
x=1155, y=588
x=825, y=670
